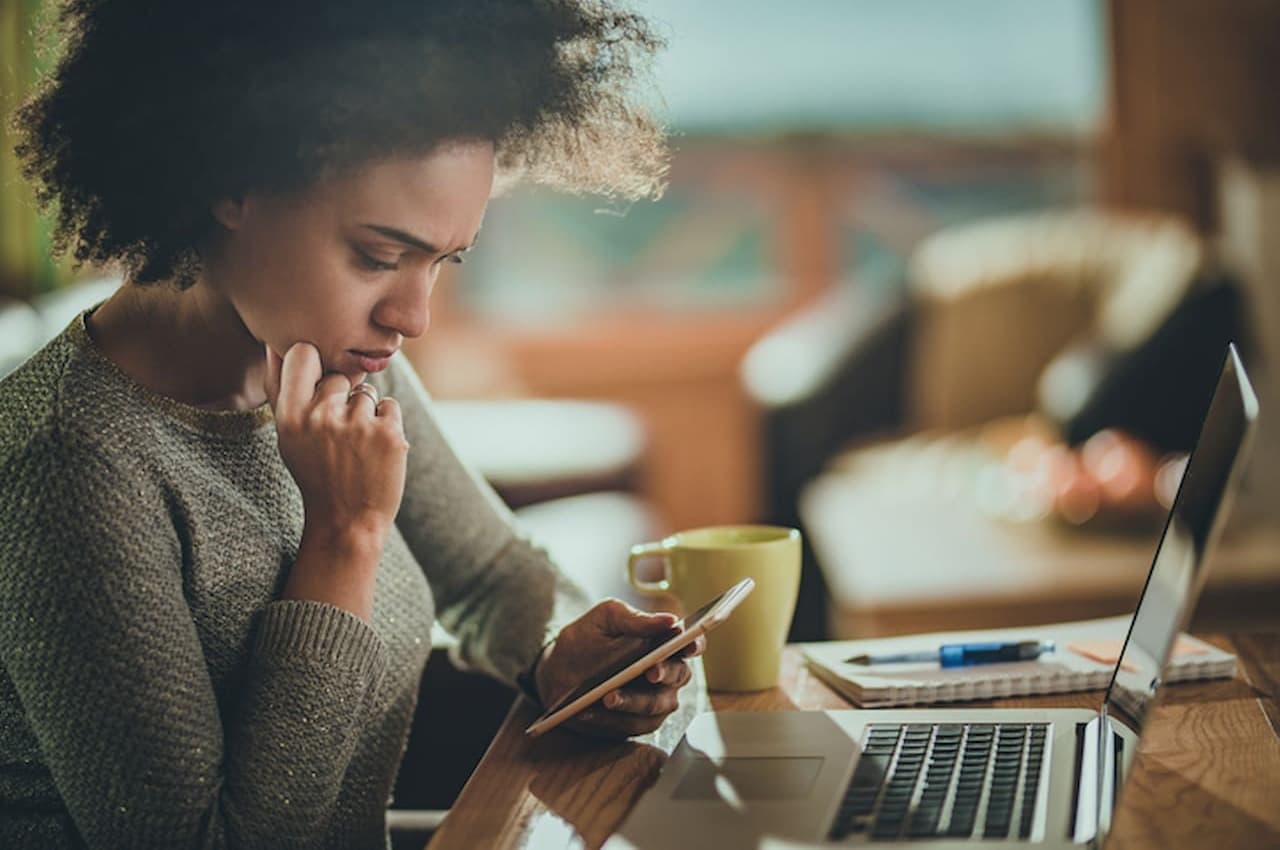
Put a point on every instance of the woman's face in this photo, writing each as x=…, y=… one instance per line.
x=350, y=265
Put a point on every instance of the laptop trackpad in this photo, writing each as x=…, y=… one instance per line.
x=749, y=779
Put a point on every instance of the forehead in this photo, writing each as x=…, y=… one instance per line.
x=439, y=196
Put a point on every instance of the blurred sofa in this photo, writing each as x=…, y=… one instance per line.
x=1089, y=319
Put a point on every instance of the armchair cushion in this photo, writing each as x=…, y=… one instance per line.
x=996, y=301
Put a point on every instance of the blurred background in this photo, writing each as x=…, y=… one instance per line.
x=945, y=284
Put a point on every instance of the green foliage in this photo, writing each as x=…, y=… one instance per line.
x=27, y=264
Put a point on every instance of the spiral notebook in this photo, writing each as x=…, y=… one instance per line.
x=1083, y=661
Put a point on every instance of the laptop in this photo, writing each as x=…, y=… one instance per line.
x=953, y=777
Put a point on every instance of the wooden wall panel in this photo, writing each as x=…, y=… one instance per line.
x=1191, y=80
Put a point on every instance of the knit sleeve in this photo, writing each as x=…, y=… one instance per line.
x=498, y=594
x=98, y=640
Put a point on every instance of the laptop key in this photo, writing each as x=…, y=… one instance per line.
x=870, y=771
x=859, y=807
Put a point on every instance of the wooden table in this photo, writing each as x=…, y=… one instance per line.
x=1209, y=773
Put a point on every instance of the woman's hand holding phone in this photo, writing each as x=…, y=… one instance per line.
x=347, y=452
x=608, y=631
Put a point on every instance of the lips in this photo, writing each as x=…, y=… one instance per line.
x=373, y=361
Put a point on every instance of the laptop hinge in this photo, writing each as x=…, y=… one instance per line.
x=1096, y=780
x=1107, y=772
x=1085, y=823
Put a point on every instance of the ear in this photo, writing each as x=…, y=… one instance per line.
x=229, y=212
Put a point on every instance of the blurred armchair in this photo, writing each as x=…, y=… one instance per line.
x=1089, y=319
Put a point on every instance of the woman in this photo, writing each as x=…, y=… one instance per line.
x=229, y=519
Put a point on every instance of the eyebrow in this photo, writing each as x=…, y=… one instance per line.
x=411, y=240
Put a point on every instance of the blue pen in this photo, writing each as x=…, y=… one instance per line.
x=964, y=654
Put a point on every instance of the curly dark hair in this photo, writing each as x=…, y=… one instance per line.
x=158, y=108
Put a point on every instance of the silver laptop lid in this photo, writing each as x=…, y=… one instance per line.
x=1173, y=582
x=1176, y=574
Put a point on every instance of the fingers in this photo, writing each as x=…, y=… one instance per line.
x=332, y=390
x=694, y=649
x=297, y=382
x=675, y=673
x=272, y=381
x=349, y=462
x=389, y=409
x=631, y=710
x=619, y=618
x=362, y=400
x=647, y=699
x=299, y=374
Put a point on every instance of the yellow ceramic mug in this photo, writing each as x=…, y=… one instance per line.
x=743, y=654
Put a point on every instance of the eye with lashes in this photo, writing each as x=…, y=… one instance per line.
x=374, y=264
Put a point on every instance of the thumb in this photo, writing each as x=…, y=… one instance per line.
x=271, y=382
x=621, y=619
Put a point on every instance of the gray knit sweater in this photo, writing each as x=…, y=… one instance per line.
x=154, y=689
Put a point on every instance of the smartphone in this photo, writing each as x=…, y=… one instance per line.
x=637, y=661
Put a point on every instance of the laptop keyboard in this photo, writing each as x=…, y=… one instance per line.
x=944, y=780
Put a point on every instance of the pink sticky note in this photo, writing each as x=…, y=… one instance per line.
x=1108, y=651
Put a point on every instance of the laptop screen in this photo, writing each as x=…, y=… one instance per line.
x=1176, y=572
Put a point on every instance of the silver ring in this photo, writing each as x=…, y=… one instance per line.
x=367, y=390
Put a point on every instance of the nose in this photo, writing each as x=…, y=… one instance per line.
x=406, y=308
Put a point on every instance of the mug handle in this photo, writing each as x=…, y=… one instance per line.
x=650, y=550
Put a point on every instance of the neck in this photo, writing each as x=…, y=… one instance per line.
x=189, y=345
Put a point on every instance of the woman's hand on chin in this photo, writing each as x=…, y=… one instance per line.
x=346, y=449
